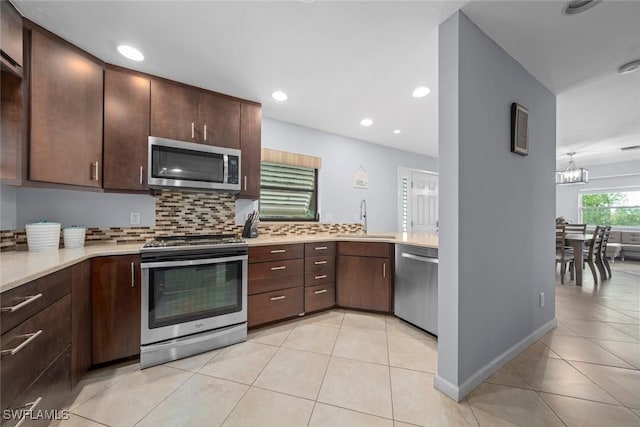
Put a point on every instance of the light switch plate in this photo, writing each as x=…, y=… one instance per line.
x=134, y=218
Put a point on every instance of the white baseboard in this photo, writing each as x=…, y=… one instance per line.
x=458, y=393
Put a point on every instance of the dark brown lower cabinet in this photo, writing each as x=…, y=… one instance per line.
x=319, y=297
x=80, y=320
x=271, y=306
x=364, y=283
x=115, y=295
x=49, y=392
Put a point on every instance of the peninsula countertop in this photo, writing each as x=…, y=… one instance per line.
x=20, y=267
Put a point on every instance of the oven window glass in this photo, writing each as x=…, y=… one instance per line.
x=178, y=163
x=183, y=294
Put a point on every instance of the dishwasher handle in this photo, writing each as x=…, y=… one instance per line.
x=420, y=258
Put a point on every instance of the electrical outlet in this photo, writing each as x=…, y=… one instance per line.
x=541, y=299
x=134, y=218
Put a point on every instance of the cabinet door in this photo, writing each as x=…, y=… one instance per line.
x=363, y=282
x=174, y=111
x=80, y=320
x=115, y=295
x=126, y=130
x=250, y=144
x=219, y=121
x=10, y=37
x=10, y=127
x=66, y=114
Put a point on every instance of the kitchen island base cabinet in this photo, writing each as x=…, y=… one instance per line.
x=115, y=320
x=364, y=274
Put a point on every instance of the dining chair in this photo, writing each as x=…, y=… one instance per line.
x=592, y=253
x=563, y=257
x=575, y=228
x=605, y=268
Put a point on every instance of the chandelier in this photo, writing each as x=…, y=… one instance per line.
x=572, y=174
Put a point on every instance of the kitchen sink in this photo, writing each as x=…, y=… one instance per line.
x=366, y=236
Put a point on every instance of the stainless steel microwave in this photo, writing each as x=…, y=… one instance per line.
x=179, y=164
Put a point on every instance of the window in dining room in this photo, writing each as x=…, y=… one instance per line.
x=616, y=208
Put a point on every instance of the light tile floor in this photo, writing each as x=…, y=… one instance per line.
x=344, y=368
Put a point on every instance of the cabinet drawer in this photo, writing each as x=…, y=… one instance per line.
x=270, y=276
x=372, y=249
x=271, y=306
x=37, y=351
x=319, y=297
x=53, y=386
x=52, y=287
x=319, y=248
x=320, y=264
x=320, y=278
x=275, y=252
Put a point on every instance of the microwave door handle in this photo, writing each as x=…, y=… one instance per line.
x=226, y=168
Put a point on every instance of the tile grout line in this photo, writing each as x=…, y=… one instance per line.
x=550, y=408
x=393, y=415
x=166, y=397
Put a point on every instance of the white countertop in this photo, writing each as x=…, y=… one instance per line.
x=20, y=267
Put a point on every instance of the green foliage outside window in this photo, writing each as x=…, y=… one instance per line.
x=622, y=208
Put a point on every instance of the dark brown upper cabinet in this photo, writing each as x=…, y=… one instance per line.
x=10, y=38
x=251, y=146
x=66, y=97
x=126, y=129
x=186, y=113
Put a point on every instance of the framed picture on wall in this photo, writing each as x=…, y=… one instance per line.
x=519, y=129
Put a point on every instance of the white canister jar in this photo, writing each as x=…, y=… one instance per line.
x=74, y=237
x=43, y=236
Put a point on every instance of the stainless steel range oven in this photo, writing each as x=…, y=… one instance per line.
x=194, y=296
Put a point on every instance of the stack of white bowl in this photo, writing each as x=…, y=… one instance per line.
x=43, y=236
x=74, y=237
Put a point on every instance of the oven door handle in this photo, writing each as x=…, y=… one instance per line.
x=186, y=263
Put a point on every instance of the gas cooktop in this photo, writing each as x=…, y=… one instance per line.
x=198, y=241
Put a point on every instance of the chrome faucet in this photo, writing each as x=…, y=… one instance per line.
x=363, y=214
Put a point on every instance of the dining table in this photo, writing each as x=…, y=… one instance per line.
x=577, y=242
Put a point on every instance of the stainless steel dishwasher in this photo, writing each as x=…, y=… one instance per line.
x=416, y=286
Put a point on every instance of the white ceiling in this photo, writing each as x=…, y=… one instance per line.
x=342, y=61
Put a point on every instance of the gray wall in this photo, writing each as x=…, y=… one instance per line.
x=83, y=208
x=497, y=235
x=341, y=156
x=608, y=177
x=8, y=212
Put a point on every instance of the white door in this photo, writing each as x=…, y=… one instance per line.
x=424, y=202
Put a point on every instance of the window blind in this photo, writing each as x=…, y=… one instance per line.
x=287, y=192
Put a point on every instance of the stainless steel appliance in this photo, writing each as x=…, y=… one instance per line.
x=416, y=286
x=192, y=166
x=194, y=296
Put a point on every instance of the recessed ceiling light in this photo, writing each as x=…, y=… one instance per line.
x=397, y=131
x=279, y=96
x=630, y=67
x=421, y=91
x=578, y=6
x=130, y=52
x=366, y=122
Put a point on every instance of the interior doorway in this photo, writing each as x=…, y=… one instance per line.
x=418, y=201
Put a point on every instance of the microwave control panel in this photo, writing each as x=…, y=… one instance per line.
x=234, y=170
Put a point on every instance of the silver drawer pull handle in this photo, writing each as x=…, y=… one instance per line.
x=321, y=292
x=320, y=262
x=133, y=274
x=205, y=132
x=322, y=276
x=278, y=251
x=17, y=307
x=193, y=130
x=278, y=298
x=29, y=338
x=32, y=406
x=282, y=267
x=384, y=269
x=321, y=248
x=141, y=172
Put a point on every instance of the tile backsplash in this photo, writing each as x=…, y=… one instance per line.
x=183, y=213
